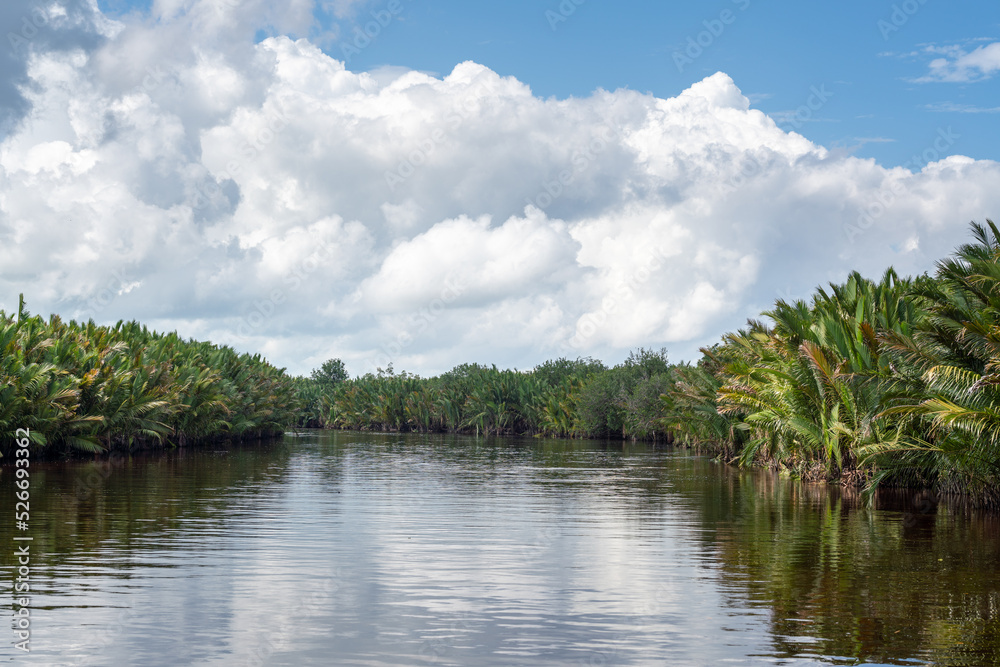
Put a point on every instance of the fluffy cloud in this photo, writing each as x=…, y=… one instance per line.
x=30, y=27
x=959, y=65
x=263, y=195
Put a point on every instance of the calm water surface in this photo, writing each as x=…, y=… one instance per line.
x=367, y=549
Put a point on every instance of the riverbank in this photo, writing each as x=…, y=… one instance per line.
x=88, y=389
x=888, y=383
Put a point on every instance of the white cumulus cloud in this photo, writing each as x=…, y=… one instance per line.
x=265, y=196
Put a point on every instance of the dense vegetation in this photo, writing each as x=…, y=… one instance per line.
x=560, y=397
x=889, y=382
x=92, y=388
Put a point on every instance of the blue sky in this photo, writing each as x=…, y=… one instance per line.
x=484, y=182
x=867, y=54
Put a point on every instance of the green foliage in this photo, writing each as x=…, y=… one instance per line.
x=950, y=417
x=690, y=412
x=623, y=401
x=807, y=391
x=895, y=382
x=90, y=388
x=558, y=371
x=888, y=382
x=330, y=374
x=486, y=400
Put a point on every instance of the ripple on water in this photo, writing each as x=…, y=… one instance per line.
x=372, y=549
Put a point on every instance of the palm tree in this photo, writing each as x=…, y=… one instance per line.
x=91, y=388
x=953, y=436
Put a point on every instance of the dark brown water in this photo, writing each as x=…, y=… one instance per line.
x=348, y=549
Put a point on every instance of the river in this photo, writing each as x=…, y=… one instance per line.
x=334, y=548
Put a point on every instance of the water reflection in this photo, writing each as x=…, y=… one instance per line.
x=910, y=581
x=371, y=549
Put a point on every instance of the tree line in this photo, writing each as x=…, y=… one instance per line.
x=870, y=382
x=873, y=383
x=79, y=387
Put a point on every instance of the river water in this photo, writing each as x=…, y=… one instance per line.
x=333, y=548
